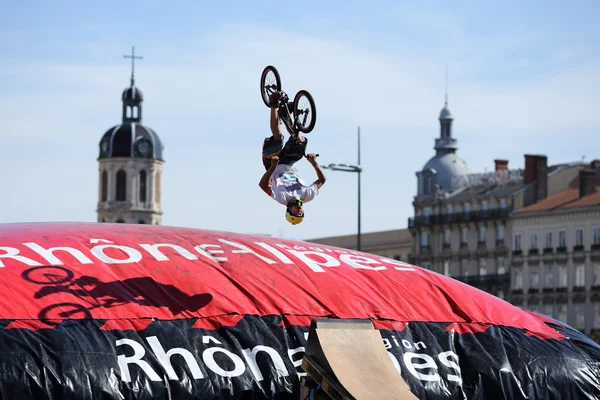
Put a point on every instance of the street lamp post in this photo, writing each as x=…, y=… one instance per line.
x=351, y=168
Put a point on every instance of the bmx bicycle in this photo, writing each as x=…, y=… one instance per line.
x=59, y=279
x=299, y=115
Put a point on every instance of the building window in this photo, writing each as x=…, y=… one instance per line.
x=596, y=321
x=427, y=212
x=120, y=221
x=579, y=276
x=562, y=276
x=549, y=276
x=467, y=208
x=500, y=233
x=518, y=278
x=447, y=268
x=517, y=241
x=596, y=273
x=548, y=241
x=562, y=239
x=502, y=203
x=397, y=257
x=579, y=237
x=534, y=277
x=447, y=236
x=464, y=268
x=143, y=187
x=449, y=209
x=579, y=311
x=562, y=313
x=464, y=236
x=500, y=266
x=482, y=234
x=596, y=236
x=104, y=190
x=484, y=206
x=121, y=186
x=533, y=240
x=547, y=309
x=428, y=185
x=425, y=239
x=482, y=267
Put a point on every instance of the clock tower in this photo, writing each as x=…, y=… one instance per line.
x=130, y=166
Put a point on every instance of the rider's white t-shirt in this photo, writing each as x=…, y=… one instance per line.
x=286, y=185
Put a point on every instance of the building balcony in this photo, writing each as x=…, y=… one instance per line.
x=425, y=250
x=446, y=249
x=489, y=279
x=473, y=216
x=595, y=250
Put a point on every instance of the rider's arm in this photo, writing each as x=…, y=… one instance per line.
x=320, y=175
x=275, y=131
x=264, y=181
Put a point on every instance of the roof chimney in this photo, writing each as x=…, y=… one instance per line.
x=587, y=182
x=536, y=170
x=501, y=165
x=529, y=174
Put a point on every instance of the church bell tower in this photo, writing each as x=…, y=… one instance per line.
x=130, y=165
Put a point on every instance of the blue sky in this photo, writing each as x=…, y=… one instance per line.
x=524, y=78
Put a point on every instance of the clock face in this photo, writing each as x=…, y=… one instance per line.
x=144, y=147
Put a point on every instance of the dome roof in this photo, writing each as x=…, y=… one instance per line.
x=449, y=168
x=445, y=113
x=131, y=140
x=132, y=94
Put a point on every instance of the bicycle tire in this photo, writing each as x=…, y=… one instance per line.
x=44, y=314
x=28, y=272
x=263, y=93
x=313, y=111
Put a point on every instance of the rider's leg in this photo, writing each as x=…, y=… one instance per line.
x=275, y=124
x=272, y=146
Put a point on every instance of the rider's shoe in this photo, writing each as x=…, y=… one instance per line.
x=278, y=98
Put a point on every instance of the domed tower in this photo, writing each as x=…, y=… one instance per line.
x=130, y=166
x=445, y=171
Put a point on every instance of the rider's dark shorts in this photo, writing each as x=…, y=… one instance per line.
x=289, y=153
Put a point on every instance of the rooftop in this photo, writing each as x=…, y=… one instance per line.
x=564, y=200
x=371, y=240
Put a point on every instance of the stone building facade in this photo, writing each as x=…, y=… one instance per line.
x=556, y=254
x=394, y=244
x=462, y=220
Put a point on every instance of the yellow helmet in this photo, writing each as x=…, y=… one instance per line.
x=291, y=218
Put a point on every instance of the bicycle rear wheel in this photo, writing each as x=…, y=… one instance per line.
x=270, y=82
x=305, y=111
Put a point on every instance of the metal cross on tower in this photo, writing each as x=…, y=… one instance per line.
x=133, y=57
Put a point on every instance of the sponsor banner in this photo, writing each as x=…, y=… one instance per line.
x=235, y=357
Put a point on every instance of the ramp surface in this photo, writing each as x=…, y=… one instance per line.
x=351, y=354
